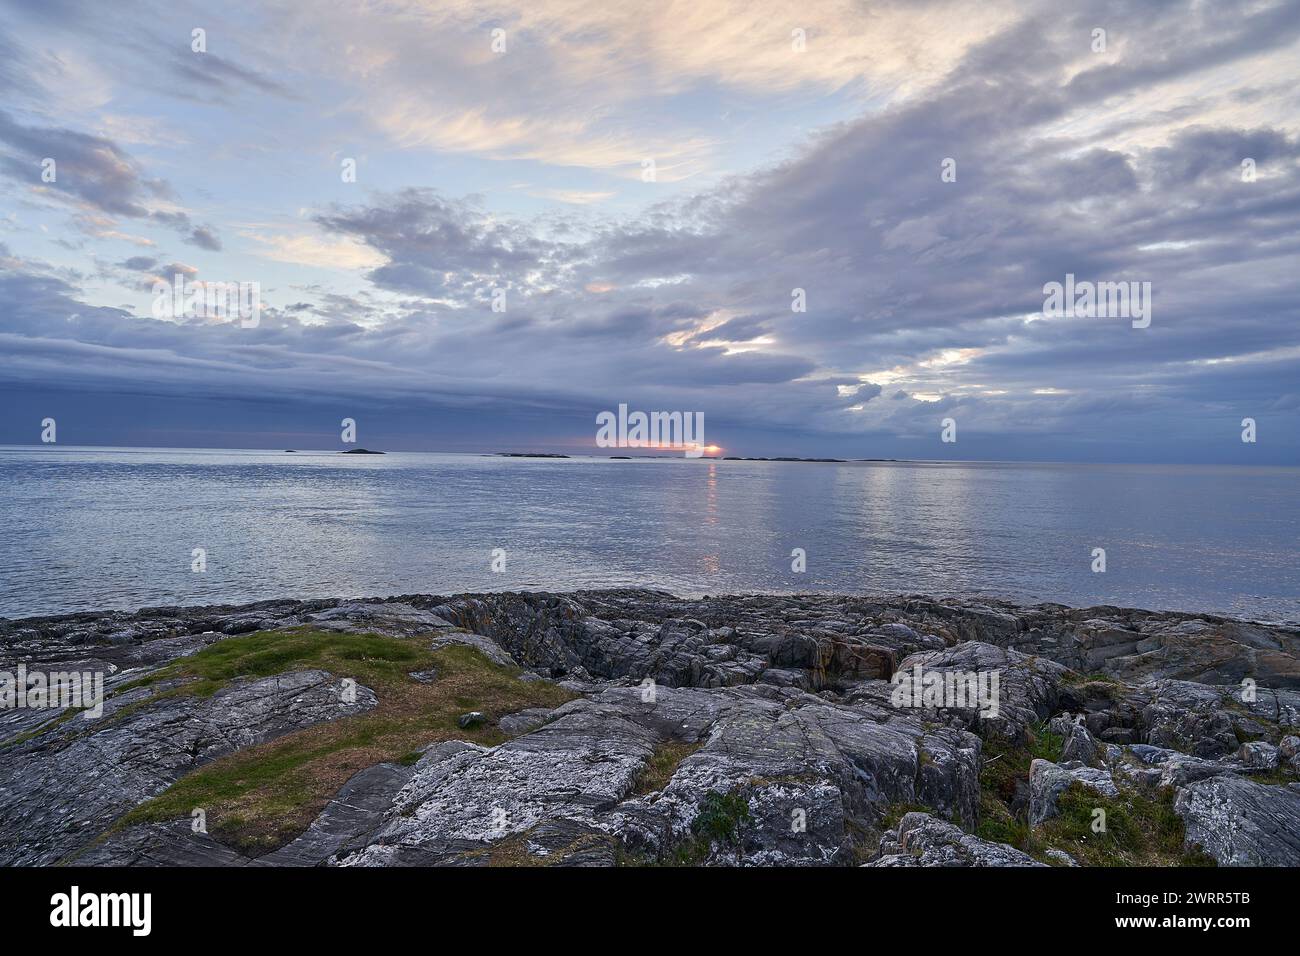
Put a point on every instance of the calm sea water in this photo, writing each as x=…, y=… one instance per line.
x=115, y=528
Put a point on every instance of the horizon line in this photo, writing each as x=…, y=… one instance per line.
x=543, y=456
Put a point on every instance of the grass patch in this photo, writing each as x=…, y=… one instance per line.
x=369, y=658
x=999, y=824
x=1276, y=778
x=717, y=823
x=1140, y=830
x=1044, y=744
x=259, y=798
x=720, y=816
x=513, y=851
x=1074, y=677
x=661, y=766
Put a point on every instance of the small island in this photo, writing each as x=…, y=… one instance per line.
x=360, y=451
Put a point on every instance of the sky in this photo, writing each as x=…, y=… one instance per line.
x=561, y=207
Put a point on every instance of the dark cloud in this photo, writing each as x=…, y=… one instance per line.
x=90, y=171
x=221, y=77
x=439, y=247
x=91, y=168
x=204, y=238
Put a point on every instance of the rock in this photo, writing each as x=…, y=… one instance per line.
x=70, y=792
x=1188, y=717
x=1258, y=755
x=457, y=806
x=777, y=712
x=1061, y=857
x=1047, y=781
x=1028, y=688
x=473, y=719
x=524, y=721
x=1182, y=770
x=1289, y=752
x=923, y=840
x=1242, y=823
x=391, y=618
x=1077, y=743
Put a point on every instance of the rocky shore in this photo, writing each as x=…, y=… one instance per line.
x=631, y=727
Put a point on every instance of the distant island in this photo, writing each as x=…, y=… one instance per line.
x=360, y=451
x=527, y=454
x=785, y=458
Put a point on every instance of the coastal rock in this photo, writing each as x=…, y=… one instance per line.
x=1258, y=755
x=726, y=730
x=1077, y=744
x=922, y=840
x=1047, y=781
x=1028, y=688
x=1242, y=823
x=56, y=796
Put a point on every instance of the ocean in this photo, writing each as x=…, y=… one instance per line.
x=94, y=528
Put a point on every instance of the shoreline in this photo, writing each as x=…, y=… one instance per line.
x=887, y=597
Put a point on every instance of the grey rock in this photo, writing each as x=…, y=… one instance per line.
x=1258, y=755
x=352, y=814
x=524, y=721
x=73, y=789
x=925, y=841
x=1061, y=857
x=1242, y=823
x=787, y=699
x=1047, y=781
x=1077, y=743
x=1028, y=687
x=472, y=719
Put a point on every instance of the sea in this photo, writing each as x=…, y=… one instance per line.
x=124, y=528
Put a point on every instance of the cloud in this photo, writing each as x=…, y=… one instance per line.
x=90, y=168
x=924, y=297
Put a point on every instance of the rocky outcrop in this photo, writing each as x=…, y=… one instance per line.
x=1047, y=781
x=63, y=787
x=747, y=730
x=1242, y=823
x=922, y=840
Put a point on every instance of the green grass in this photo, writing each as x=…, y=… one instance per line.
x=720, y=816
x=1141, y=828
x=661, y=766
x=259, y=798
x=717, y=823
x=369, y=658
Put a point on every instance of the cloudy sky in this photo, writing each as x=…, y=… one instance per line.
x=642, y=187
